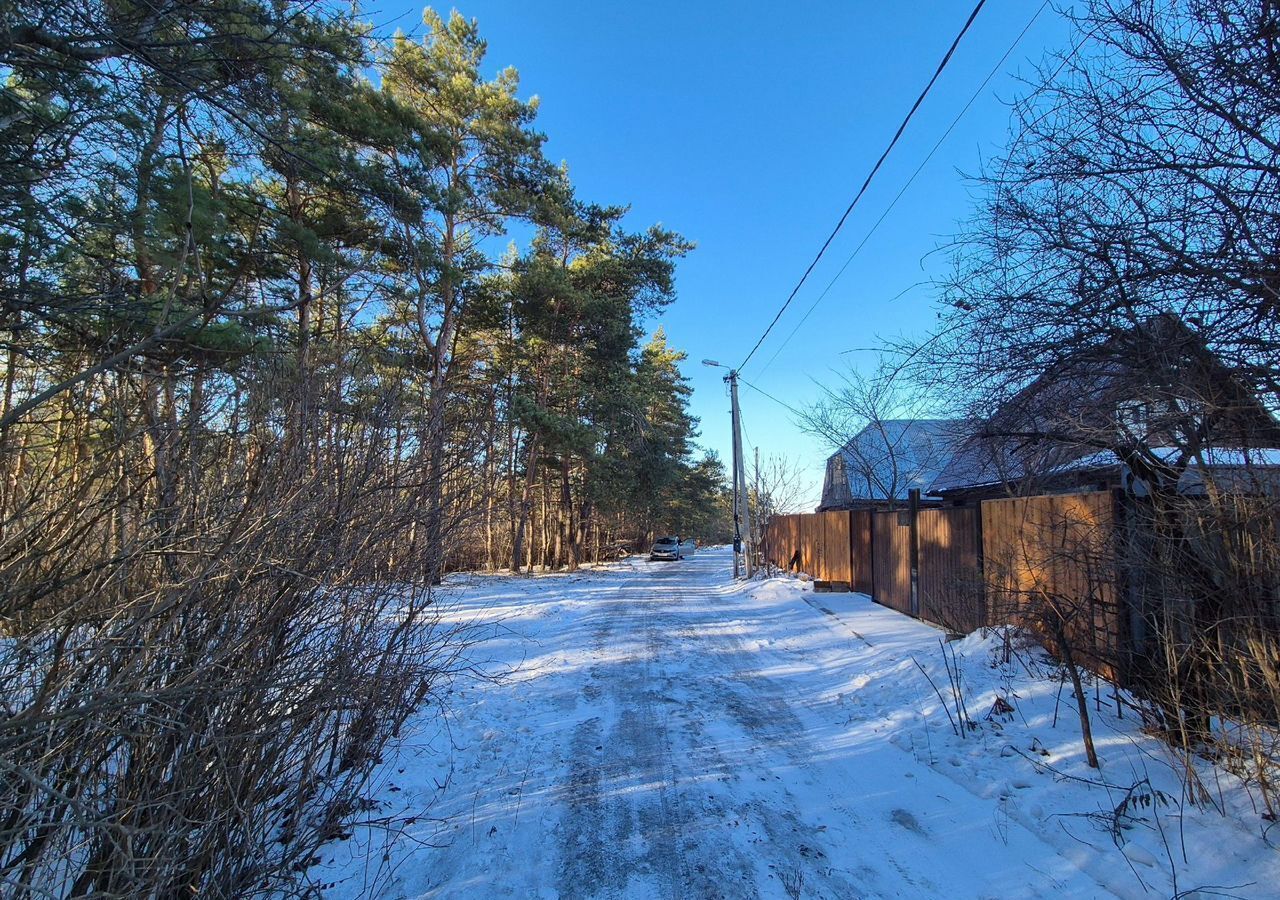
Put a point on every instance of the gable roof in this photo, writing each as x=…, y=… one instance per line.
x=886, y=459
x=1066, y=417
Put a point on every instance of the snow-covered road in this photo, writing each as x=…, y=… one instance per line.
x=655, y=730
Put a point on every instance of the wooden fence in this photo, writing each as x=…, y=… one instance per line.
x=1050, y=564
x=950, y=567
x=831, y=546
x=1035, y=561
x=891, y=560
x=949, y=588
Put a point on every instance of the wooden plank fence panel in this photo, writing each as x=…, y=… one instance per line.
x=950, y=584
x=772, y=539
x=891, y=560
x=829, y=546
x=794, y=551
x=810, y=536
x=860, y=551
x=837, y=562
x=1051, y=559
x=798, y=543
x=790, y=542
x=783, y=537
x=818, y=567
x=788, y=537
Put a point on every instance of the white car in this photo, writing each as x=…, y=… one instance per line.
x=672, y=548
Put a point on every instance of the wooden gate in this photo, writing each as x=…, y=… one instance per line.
x=891, y=559
x=860, y=557
x=950, y=576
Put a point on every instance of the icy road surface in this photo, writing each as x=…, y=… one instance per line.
x=654, y=730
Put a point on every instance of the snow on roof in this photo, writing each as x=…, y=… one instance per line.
x=1232, y=457
x=968, y=469
x=886, y=459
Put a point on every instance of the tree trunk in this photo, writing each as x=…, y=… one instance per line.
x=1082, y=701
x=545, y=526
x=526, y=507
x=568, y=536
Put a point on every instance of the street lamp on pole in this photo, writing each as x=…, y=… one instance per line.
x=741, y=503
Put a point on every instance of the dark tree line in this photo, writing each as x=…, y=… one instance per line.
x=265, y=379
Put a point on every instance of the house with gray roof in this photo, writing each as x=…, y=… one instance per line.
x=877, y=468
x=1150, y=405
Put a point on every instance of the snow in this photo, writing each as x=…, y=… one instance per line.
x=887, y=459
x=656, y=730
x=1246, y=467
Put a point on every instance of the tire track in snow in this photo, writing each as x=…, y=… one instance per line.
x=647, y=803
x=773, y=737
x=629, y=825
x=671, y=735
x=740, y=720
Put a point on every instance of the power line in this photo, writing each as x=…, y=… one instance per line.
x=745, y=435
x=954, y=122
x=867, y=183
x=838, y=440
x=765, y=393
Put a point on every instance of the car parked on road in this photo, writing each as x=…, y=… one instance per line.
x=671, y=548
x=665, y=548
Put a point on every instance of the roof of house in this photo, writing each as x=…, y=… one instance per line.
x=888, y=458
x=1239, y=467
x=1053, y=425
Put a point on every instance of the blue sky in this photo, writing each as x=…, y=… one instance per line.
x=748, y=127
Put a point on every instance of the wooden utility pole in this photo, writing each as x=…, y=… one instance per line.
x=755, y=478
x=741, y=502
x=742, y=516
x=737, y=490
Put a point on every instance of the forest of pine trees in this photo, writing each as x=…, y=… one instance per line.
x=273, y=364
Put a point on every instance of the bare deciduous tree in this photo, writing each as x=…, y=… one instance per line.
x=1115, y=297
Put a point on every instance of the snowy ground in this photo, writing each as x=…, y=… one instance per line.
x=657, y=731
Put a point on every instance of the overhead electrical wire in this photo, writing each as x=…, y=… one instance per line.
x=954, y=122
x=811, y=425
x=867, y=183
x=746, y=437
x=783, y=404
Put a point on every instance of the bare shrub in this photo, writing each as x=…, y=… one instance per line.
x=1205, y=592
x=202, y=667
